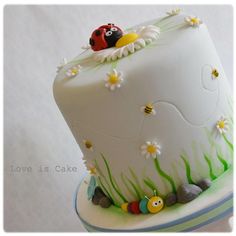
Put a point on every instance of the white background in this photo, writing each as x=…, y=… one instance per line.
x=36, y=38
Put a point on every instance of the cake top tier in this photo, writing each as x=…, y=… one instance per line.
x=111, y=45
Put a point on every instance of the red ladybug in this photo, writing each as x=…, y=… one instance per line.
x=105, y=36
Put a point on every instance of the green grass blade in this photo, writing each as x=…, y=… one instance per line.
x=127, y=186
x=223, y=161
x=151, y=185
x=110, y=195
x=231, y=146
x=230, y=103
x=187, y=170
x=114, y=64
x=106, y=181
x=212, y=175
x=139, y=197
x=164, y=175
x=111, y=180
x=137, y=182
x=116, y=184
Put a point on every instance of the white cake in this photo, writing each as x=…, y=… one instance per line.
x=151, y=114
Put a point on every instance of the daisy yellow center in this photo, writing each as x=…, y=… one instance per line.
x=221, y=124
x=74, y=71
x=88, y=144
x=195, y=20
x=126, y=39
x=151, y=149
x=92, y=170
x=113, y=79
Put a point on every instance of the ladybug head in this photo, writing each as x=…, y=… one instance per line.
x=105, y=36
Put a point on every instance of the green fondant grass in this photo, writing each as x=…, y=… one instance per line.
x=114, y=64
x=187, y=170
x=230, y=103
x=230, y=145
x=127, y=186
x=151, y=185
x=223, y=161
x=135, y=178
x=164, y=175
x=111, y=180
x=138, y=195
x=212, y=175
x=108, y=188
x=109, y=194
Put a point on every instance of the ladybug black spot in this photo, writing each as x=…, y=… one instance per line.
x=91, y=42
x=97, y=32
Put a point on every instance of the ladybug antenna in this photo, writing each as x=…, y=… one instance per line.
x=155, y=192
x=147, y=198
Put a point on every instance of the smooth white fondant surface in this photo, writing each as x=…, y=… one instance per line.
x=175, y=75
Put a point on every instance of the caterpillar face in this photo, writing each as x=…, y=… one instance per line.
x=155, y=204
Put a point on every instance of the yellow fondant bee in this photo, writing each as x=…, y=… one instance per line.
x=148, y=109
x=88, y=145
x=215, y=73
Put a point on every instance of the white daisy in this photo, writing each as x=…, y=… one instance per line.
x=128, y=43
x=88, y=145
x=62, y=64
x=150, y=149
x=90, y=166
x=92, y=169
x=222, y=125
x=114, y=80
x=148, y=109
x=173, y=12
x=193, y=21
x=73, y=71
x=214, y=74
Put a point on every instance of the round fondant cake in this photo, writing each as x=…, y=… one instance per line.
x=151, y=110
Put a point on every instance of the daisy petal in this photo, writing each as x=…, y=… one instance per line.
x=148, y=155
x=112, y=87
x=153, y=155
x=144, y=152
x=144, y=147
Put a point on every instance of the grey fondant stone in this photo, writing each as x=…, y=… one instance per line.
x=98, y=194
x=187, y=192
x=171, y=199
x=105, y=202
x=204, y=184
x=95, y=200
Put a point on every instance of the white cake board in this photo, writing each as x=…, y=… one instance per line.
x=212, y=205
